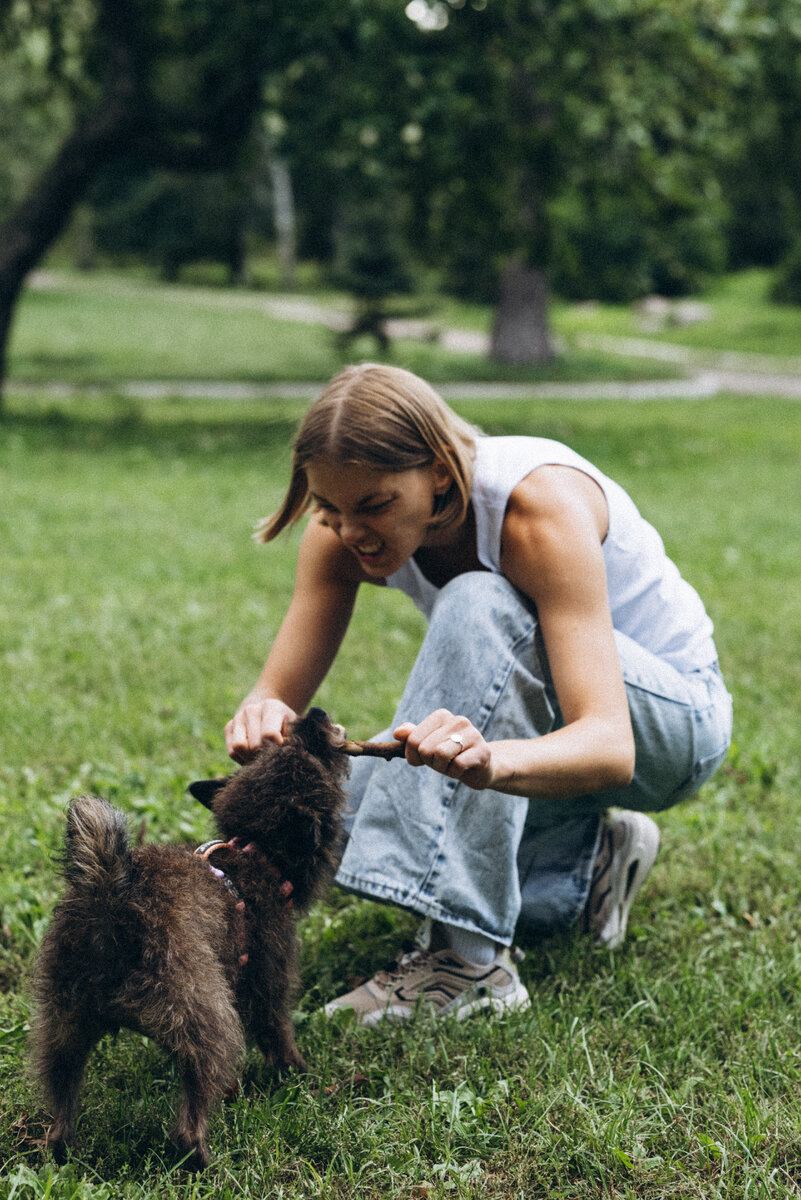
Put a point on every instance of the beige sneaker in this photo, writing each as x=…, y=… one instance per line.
x=628, y=850
x=442, y=981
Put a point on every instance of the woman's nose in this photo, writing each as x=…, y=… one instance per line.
x=351, y=529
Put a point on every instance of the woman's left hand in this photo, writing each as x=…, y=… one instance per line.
x=450, y=745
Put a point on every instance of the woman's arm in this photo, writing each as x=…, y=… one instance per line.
x=552, y=551
x=326, y=582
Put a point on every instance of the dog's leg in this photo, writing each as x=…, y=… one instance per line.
x=62, y=1048
x=207, y=1057
x=271, y=983
x=276, y=1040
x=205, y=1078
x=287, y=1053
x=189, y=1132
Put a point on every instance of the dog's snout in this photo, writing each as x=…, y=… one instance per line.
x=321, y=718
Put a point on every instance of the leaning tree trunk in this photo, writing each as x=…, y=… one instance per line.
x=32, y=227
x=520, y=333
x=42, y=216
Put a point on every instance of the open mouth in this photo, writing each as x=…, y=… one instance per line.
x=368, y=550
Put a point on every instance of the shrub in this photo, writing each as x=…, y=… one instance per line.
x=787, y=284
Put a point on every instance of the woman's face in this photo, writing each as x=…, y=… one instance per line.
x=382, y=517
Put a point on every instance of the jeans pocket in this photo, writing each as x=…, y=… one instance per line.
x=703, y=770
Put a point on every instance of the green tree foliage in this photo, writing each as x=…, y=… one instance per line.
x=339, y=104
x=172, y=83
x=371, y=261
x=170, y=218
x=603, y=120
x=581, y=139
x=39, y=79
x=763, y=179
x=601, y=144
x=787, y=285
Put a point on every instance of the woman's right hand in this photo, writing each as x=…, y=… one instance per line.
x=256, y=721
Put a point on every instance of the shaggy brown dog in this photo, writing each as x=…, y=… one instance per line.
x=194, y=950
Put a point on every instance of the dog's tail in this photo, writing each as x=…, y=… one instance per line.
x=97, y=858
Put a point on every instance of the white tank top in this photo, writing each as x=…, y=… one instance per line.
x=649, y=600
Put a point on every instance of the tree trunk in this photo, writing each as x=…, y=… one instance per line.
x=35, y=223
x=41, y=217
x=520, y=333
x=284, y=219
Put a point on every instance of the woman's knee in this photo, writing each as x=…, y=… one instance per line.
x=481, y=654
x=482, y=599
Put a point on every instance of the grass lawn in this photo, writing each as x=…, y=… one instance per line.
x=740, y=318
x=98, y=330
x=136, y=613
x=101, y=329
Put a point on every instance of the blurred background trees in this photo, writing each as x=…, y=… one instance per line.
x=140, y=84
x=601, y=149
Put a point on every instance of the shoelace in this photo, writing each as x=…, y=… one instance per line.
x=403, y=966
x=413, y=959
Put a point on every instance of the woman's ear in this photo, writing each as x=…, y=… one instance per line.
x=442, y=477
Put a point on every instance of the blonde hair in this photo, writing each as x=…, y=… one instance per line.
x=381, y=417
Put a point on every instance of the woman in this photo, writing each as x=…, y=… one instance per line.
x=567, y=669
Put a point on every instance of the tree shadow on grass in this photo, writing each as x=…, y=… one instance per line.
x=162, y=429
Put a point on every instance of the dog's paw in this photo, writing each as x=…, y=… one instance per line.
x=57, y=1139
x=194, y=1151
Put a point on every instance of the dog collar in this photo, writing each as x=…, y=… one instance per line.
x=207, y=849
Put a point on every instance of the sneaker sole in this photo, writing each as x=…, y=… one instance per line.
x=516, y=1001
x=641, y=848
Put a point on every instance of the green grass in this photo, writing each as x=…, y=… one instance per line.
x=136, y=612
x=741, y=318
x=101, y=329
x=104, y=329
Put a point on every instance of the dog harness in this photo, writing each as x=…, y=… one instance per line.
x=205, y=852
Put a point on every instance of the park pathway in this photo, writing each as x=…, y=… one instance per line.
x=708, y=372
x=199, y=389
x=705, y=373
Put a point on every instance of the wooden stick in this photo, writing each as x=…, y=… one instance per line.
x=385, y=750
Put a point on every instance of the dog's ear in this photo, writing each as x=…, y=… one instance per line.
x=205, y=790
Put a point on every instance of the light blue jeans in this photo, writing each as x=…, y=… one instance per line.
x=485, y=861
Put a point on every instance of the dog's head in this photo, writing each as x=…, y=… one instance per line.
x=286, y=802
